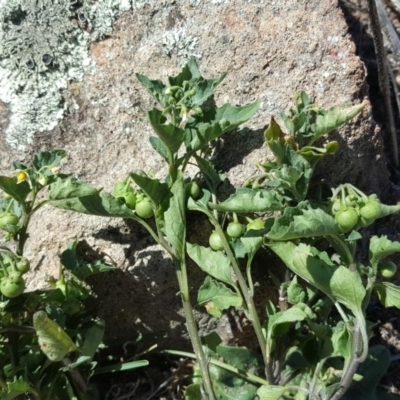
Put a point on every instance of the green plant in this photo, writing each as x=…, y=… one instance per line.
x=314, y=340
x=48, y=339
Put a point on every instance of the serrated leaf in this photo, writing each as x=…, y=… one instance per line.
x=48, y=158
x=388, y=294
x=246, y=200
x=69, y=188
x=225, y=119
x=217, y=297
x=159, y=147
x=214, y=263
x=334, y=118
x=102, y=204
x=310, y=223
x=10, y=185
x=53, y=340
x=205, y=89
x=153, y=188
x=189, y=71
x=212, y=177
x=175, y=218
x=380, y=248
x=171, y=135
x=16, y=388
x=338, y=283
x=271, y=392
x=155, y=87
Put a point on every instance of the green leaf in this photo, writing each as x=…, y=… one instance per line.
x=215, y=296
x=333, y=118
x=205, y=89
x=229, y=386
x=214, y=263
x=295, y=292
x=76, y=266
x=53, y=340
x=102, y=204
x=342, y=338
x=48, y=158
x=347, y=288
x=338, y=283
x=121, y=367
x=16, y=388
x=93, y=336
x=212, y=177
x=175, y=218
x=153, y=188
x=310, y=223
x=252, y=242
x=69, y=188
x=278, y=323
x=225, y=119
x=380, y=248
x=388, y=294
x=388, y=210
x=159, y=147
x=189, y=71
x=155, y=87
x=193, y=392
x=170, y=134
x=271, y=392
x=246, y=200
x=10, y=185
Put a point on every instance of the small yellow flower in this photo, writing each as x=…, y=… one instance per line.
x=55, y=170
x=22, y=176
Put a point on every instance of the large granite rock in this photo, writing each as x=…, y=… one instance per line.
x=270, y=49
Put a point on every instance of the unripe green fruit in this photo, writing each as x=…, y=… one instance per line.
x=215, y=241
x=7, y=218
x=23, y=265
x=12, y=287
x=193, y=189
x=346, y=218
x=144, y=209
x=387, y=269
x=371, y=210
x=130, y=200
x=235, y=229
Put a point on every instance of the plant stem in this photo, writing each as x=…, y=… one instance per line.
x=191, y=326
x=248, y=297
x=244, y=374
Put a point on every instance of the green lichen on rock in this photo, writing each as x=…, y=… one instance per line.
x=43, y=46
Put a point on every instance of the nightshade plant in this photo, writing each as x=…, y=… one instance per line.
x=314, y=342
x=48, y=339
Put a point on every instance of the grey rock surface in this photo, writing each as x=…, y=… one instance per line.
x=270, y=50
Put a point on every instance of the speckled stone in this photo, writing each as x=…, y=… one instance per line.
x=270, y=49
